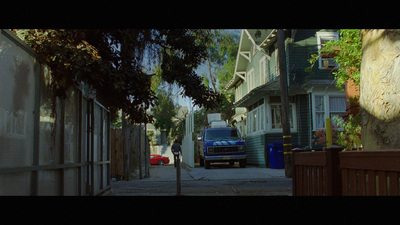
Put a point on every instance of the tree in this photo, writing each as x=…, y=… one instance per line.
x=222, y=51
x=380, y=89
x=163, y=111
x=114, y=63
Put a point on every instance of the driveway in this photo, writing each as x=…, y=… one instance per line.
x=220, y=180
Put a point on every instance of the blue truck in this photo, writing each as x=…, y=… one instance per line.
x=220, y=143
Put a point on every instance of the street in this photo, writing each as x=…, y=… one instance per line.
x=220, y=180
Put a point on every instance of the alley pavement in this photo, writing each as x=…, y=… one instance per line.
x=220, y=180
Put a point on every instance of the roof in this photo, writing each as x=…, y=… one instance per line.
x=249, y=38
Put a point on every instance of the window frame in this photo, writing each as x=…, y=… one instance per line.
x=255, y=120
x=327, y=112
x=330, y=35
x=250, y=80
x=293, y=124
x=263, y=70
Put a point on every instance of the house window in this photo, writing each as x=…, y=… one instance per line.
x=250, y=80
x=238, y=92
x=263, y=71
x=276, y=116
x=326, y=106
x=326, y=61
x=273, y=64
x=319, y=112
x=254, y=127
x=277, y=61
x=337, y=106
x=255, y=119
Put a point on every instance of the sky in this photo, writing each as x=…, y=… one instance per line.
x=200, y=70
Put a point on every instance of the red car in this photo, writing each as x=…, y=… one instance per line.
x=158, y=159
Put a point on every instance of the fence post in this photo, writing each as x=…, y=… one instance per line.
x=294, y=177
x=334, y=179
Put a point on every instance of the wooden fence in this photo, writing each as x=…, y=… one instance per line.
x=351, y=173
x=125, y=165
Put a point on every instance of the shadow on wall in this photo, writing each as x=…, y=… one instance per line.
x=163, y=150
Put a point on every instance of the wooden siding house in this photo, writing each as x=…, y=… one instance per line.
x=312, y=96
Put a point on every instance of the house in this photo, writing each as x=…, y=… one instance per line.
x=312, y=96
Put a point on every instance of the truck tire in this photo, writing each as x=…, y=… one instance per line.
x=207, y=164
x=242, y=163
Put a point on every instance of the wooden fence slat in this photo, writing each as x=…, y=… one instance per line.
x=309, y=177
x=300, y=180
x=362, y=187
x=345, y=182
x=325, y=182
x=382, y=183
x=320, y=181
x=297, y=181
x=315, y=181
x=353, y=182
x=393, y=183
x=305, y=187
x=371, y=183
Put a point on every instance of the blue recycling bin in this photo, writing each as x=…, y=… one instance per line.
x=276, y=155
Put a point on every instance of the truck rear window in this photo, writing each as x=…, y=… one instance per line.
x=222, y=135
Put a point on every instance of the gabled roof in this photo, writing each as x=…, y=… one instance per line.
x=248, y=41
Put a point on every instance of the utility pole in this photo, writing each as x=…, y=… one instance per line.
x=178, y=176
x=140, y=151
x=125, y=146
x=146, y=153
x=287, y=142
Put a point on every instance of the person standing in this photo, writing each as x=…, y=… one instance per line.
x=176, y=148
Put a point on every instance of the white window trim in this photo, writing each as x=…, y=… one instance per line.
x=335, y=36
x=260, y=116
x=326, y=106
x=250, y=80
x=238, y=92
x=263, y=71
x=277, y=61
x=279, y=130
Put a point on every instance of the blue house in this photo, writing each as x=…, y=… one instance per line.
x=312, y=96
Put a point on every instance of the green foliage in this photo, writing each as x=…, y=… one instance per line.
x=113, y=62
x=163, y=111
x=222, y=50
x=347, y=53
x=351, y=136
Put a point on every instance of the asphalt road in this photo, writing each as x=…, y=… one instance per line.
x=220, y=180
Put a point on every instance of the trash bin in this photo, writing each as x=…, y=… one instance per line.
x=276, y=155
